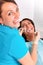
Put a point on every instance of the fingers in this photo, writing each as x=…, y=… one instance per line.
x=36, y=37
x=37, y=34
x=21, y=30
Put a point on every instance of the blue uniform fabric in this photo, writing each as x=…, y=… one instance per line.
x=39, y=51
x=12, y=46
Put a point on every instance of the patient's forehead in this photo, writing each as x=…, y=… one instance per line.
x=26, y=22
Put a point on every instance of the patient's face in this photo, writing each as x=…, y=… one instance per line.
x=29, y=28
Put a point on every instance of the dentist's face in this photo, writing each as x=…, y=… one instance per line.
x=10, y=14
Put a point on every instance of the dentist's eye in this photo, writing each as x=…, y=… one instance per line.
x=9, y=14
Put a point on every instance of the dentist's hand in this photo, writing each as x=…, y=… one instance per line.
x=36, y=37
x=21, y=30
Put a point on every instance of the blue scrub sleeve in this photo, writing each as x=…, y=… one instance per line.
x=18, y=47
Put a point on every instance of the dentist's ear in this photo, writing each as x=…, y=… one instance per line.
x=1, y=21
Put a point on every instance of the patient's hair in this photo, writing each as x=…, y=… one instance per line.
x=3, y=1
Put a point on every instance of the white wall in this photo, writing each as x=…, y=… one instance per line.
x=26, y=8
x=38, y=16
x=32, y=9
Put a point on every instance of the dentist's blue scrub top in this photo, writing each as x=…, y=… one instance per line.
x=39, y=51
x=12, y=46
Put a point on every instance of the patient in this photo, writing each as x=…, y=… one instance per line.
x=27, y=30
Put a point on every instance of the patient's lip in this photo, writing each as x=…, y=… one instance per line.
x=29, y=30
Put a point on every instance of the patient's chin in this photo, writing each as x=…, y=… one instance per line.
x=30, y=38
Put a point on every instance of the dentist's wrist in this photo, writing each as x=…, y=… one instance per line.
x=35, y=42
